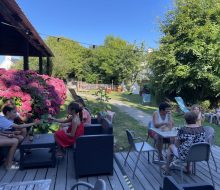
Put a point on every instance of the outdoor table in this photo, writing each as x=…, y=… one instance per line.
x=42, y=151
x=164, y=134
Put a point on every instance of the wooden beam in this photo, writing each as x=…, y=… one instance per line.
x=26, y=64
x=40, y=65
x=48, y=66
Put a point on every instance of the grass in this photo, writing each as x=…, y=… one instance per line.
x=123, y=121
x=135, y=101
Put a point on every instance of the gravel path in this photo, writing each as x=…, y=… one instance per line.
x=142, y=117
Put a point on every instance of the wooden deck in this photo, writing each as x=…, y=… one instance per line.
x=147, y=175
x=63, y=176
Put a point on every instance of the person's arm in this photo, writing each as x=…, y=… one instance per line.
x=171, y=122
x=25, y=125
x=74, y=127
x=156, y=123
x=9, y=134
x=67, y=120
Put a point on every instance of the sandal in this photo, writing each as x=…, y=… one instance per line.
x=165, y=171
x=13, y=166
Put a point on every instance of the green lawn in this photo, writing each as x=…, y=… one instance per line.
x=134, y=100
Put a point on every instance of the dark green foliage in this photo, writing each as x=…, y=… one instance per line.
x=116, y=60
x=187, y=62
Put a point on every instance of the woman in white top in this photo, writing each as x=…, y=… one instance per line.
x=162, y=119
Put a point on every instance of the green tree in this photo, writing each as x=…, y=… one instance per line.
x=118, y=60
x=187, y=61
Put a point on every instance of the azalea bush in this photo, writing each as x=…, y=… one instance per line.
x=33, y=94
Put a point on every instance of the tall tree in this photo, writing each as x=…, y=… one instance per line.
x=118, y=60
x=187, y=61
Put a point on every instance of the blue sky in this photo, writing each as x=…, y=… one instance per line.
x=90, y=21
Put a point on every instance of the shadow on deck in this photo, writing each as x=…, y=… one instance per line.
x=147, y=176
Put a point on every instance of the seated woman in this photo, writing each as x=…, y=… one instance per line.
x=10, y=141
x=191, y=133
x=86, y=115
x=196, y=109
x=66, y=137
x=162, y=118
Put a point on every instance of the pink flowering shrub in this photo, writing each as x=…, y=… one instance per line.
x=31, y=92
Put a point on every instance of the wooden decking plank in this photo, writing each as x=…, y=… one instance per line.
x=61, y=174
x=51, y=174
x=120, y=175
x=151, y=167
x=105, y=178
x=19, y=176
x=8, y=176
x=2, y=172
x=200, y=171
x=203, y=167
x=115, y=184
x=139, y=175
x=41, y=174
x=174, y=173
x=92, y=179
x=135, y=182
x=71, y=177
x=85, y=179
x=151, y=181
x=30, y=175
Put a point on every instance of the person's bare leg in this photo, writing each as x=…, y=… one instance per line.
x=24, y=132
x=12, y=143
x=166, y=167
x=20, y=138
x=159, y=146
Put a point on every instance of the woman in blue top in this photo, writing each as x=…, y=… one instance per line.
x=162, y=119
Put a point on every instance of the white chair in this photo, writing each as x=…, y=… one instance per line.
x=99, y=185
x=138, y=147
x=210, y=138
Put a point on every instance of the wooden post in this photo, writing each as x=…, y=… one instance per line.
x=26, y=64
x=48, y=66
x=40, y=65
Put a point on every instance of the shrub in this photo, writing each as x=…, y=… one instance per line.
x=205, y=105
x=31, y=92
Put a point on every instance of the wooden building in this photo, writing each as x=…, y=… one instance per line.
x=19, y=38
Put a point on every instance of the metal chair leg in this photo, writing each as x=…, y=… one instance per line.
x=148, y=156
x=181, y=172
x=139, y=154
x=127, y=156
x=213, y=159
x=211, y=174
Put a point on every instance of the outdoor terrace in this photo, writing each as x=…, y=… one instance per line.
x=147, y=175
